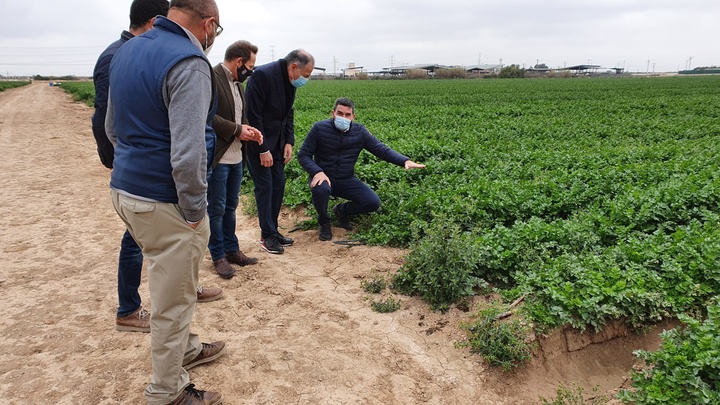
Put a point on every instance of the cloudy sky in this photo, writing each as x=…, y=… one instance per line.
x=65, y=37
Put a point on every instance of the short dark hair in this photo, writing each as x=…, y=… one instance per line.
x=142, y=11
x=201, y=8
x=301, y=56
x=346, y=102
x=240, y=49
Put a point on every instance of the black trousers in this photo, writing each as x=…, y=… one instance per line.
x=269, y=192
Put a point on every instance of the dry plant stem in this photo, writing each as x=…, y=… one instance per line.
x=511, y=309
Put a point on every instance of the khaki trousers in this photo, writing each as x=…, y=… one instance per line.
x=174, y=252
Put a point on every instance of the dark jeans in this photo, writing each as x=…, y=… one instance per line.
x=269, y=192
x=129, y=275
x=362, y=198
x=223, y=197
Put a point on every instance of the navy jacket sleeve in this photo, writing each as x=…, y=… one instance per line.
x=258, y=88
x=290, y=127
x=382, y=151
x=101, y=79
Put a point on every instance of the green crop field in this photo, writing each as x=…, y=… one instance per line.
x=11, y=85
x=597, y=199
x=81, y=91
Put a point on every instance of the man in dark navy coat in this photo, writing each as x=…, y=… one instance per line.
x=329, y=154
x=270, y=96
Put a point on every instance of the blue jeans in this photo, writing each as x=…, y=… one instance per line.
x=362, y=198
x=223, y=197
x=129, y=275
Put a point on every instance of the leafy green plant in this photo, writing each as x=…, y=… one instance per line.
x=374, y=286
x=440, y=268
x=385, y=305
x=500, y=343
x=686, y=368
x=574, y=395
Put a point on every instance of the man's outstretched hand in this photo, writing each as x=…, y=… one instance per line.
x=409, y=164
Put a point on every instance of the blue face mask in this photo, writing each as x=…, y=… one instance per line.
x=300, y=81
x=341, y=123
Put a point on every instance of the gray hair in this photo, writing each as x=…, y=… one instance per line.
x=202, y=8
x=301, y=57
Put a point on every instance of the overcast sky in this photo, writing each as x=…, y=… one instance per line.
x=65, y=37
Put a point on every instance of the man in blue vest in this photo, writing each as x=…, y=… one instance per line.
x=159, y=118
x=131, y=316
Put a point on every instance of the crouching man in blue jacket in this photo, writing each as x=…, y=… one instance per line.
x=329, y=154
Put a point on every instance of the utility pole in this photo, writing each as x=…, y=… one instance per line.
x=272, y=52
x=392, y=60
x=690, y=63
x=648, y=67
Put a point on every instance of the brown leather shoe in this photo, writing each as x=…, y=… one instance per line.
x=209, y=352
x=240, y=259
x=192, y=396
x=138, y=321
x=207, y=294
x=223, y=268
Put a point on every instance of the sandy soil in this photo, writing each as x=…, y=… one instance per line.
x=298, y=326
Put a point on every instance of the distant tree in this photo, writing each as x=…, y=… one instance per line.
x=512, y=72
x=417, y=74
x=452, y=73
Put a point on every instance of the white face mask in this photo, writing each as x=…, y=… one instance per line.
x=342, y=123
x=207, y=48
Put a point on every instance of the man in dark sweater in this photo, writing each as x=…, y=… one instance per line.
x=329, y=154
x=270, y=98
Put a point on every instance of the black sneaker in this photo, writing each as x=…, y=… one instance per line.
x=343, y=220
x=284, y=240
x=325, y=231
x=272, y=245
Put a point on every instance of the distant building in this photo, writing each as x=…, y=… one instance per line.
x=352, y=70
x=483, y=70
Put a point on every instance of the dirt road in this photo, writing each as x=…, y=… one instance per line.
x=299, y=328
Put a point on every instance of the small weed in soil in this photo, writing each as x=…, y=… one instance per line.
x=373, y=286
x=574, y=395
x=386, y=305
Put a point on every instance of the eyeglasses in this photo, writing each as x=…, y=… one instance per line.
x=219, y=28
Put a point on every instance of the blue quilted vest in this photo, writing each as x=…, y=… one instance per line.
x=137, y=73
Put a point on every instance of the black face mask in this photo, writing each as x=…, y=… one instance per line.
x=243, y=73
